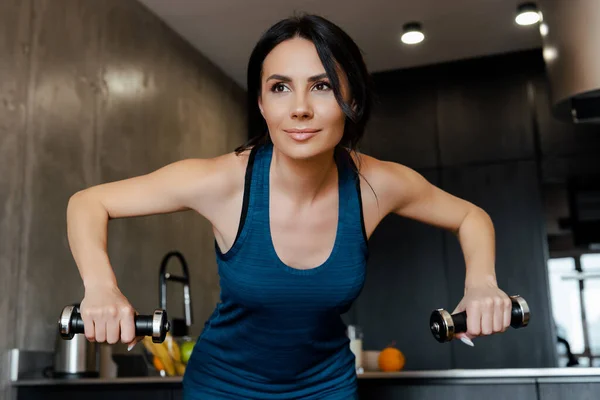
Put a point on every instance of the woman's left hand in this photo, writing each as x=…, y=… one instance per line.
x=488, y=311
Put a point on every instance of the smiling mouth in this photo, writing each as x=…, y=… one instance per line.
x=301, y=134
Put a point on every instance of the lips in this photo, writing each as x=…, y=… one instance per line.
x=301, y=134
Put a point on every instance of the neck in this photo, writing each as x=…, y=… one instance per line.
x=303, y=180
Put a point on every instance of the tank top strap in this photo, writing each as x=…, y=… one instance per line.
x=345, y=173
x=351, y=212
x=252, y=195
x=260, y=181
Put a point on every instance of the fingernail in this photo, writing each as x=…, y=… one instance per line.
x=131, y=346
x=467, y=341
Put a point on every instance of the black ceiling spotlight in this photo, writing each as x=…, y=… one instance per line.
x=528, y=14
x=412, y=33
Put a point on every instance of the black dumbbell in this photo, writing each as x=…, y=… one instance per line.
x=155, y=325
x=445, y=327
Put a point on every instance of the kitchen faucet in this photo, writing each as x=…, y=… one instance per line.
x=179, y=327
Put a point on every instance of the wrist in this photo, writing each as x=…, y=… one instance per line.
x=480, y=280
x=100, y=283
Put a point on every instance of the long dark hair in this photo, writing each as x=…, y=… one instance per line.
x=335, y=49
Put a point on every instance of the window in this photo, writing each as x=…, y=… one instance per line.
x=590, y=264
x=575, y=298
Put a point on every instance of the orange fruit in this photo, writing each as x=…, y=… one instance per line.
x=158, y=364
x=391, y=359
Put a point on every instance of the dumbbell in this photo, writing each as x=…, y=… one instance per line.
x=445, y=326
x=155, y=325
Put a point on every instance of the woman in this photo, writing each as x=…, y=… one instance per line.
x=292, y=212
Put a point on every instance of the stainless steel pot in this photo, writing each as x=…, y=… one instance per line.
x=75, y=358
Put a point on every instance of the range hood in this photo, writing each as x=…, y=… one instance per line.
x=571, y=38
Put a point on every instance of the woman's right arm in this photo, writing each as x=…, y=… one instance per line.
x=188, y=184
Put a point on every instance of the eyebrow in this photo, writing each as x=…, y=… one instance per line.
x=288, y=79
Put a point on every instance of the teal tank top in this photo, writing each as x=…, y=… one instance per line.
x=277, y=331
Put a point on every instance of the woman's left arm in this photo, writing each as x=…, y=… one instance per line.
x=405, y=192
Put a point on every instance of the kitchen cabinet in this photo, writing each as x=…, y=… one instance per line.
x=98, y=392
x=376, y=390
x=510, y=193
x=560, y=169
x=569, y=390
x=403, y=126
x=520, y=384
x=177, y=394
x=483, y=119
x=406, y=280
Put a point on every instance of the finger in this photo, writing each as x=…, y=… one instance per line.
x=507, y=311
x=127, y=325
x=134, y=342
x=100, y=325
x=113, y=331
x=88, y=326
x=459, y=308
x=473, y=320
x=112, y=325
x=498, y=318
x=465, y=338
x=464, y=335
x=487, y=317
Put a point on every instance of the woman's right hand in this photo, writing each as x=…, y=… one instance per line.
x=108, y=316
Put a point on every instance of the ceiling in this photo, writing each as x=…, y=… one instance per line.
x=225, y=31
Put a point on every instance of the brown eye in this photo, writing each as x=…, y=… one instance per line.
x=322, y=86
x=278, y=88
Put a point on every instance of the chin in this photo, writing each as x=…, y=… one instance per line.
x=303, y=150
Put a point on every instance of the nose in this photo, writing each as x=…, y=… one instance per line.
x=301, y=109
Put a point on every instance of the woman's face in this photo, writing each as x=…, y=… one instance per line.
x=297, y=101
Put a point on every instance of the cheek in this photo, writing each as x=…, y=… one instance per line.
x=274, y=112
x=333, y=115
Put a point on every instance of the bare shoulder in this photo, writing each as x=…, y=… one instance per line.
x=380, y=171
x=218, y=178
x=225, y=171
x=386, y=186
x=390, y=187
x=387, y=177
x=213, y=176
x=201, y=184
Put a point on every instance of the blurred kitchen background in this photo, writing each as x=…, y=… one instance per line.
x=95, y=91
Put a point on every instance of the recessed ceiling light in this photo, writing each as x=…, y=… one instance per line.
x=550, y=54
x=527, y=14
x=412, y=33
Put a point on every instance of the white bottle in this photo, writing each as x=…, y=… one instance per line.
x=356, y=346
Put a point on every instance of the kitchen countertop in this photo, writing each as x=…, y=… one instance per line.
x=24, y=367
x=534, y=373
x=461, y=375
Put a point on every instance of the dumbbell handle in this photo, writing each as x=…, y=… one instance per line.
x=155, y=325
x=460, y=319
x=445, y=327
